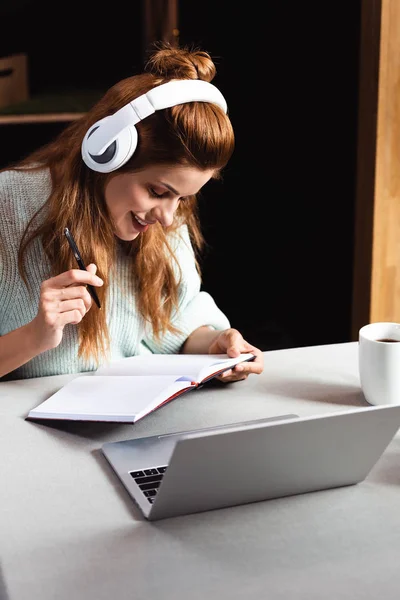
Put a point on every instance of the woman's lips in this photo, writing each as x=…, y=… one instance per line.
x=139, y=225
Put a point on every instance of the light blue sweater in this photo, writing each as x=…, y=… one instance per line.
x=21, y=194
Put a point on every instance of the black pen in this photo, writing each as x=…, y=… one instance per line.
x=80, y=262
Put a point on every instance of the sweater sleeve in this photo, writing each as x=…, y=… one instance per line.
x=11, y=219
x=21, y=195
x=196, y=308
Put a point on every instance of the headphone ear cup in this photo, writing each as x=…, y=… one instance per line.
x=115, y=155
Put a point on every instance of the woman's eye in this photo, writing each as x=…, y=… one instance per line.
x=153, y=193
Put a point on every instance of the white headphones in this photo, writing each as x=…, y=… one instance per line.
x=111, y=142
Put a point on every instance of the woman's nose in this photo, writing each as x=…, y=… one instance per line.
x=164, y=212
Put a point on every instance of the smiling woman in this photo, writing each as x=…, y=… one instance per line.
x=150, y=197
x=124, y=180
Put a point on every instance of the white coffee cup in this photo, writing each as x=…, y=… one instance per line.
x=379, y=362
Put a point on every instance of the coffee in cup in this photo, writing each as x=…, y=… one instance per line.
x=379, y=362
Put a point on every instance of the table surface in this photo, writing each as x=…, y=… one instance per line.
x=69, y=530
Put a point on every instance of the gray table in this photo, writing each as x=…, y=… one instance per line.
x=69, y=531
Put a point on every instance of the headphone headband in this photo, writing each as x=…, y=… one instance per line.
x=110, y=142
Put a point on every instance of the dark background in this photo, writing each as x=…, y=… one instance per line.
x=280, y=226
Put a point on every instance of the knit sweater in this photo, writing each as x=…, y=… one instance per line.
x=21, y=195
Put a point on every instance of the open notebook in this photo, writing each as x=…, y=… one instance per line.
x=129, y=389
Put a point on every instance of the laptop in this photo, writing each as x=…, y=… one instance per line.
x=213, y=468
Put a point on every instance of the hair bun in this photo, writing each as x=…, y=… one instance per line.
x=169, y=62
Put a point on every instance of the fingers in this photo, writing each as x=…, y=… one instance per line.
x=68, y=305
x=243, y=370
x=235, y=343
x=255, y=366
x=61, y=298
x=54, y=320
x=75, y=304
x=232, y=343
x=65, y=298
x=228, y=341
x=74, y=277
x=92, y=268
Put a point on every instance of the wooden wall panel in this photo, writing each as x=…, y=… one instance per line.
x=376, y=289
x=160, y=22
x=385, y=281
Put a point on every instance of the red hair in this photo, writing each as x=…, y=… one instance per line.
x=196, y=134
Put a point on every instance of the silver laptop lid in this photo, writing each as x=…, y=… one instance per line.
x=225, y=468
x=248, y=462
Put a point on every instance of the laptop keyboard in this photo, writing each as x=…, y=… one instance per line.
x=149, y=481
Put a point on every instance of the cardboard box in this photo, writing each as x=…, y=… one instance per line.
x=14, y=86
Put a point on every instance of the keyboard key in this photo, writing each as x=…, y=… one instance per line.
x=157, y=477
x=149, y=486
x=136, y=474
x=149, y=480
x=150, y=493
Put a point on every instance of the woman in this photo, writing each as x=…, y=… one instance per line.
x=123, y=179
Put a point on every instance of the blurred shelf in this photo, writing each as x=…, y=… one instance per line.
x=36, y=118
x=50, y=108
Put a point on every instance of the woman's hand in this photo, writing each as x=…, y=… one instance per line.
x=231, y=342
x=63, y=299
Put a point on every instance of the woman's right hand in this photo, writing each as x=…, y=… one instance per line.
x=64, y=299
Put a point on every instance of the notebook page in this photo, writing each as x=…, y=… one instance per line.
x=194, y=366
x=117, y=398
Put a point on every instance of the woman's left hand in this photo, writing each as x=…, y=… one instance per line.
x=231, y=342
